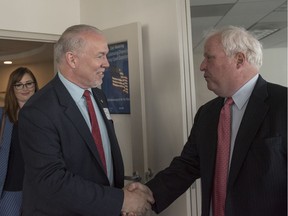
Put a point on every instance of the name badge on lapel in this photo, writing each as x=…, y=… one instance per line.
x=107, y=113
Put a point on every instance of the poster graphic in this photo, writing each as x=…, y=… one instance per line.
x=116, y=79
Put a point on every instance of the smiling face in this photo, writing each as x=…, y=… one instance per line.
x=23, y=94
x=90, y=62
x=220, y=71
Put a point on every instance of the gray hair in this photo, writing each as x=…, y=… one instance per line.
x=72, y=39
x=237, y=39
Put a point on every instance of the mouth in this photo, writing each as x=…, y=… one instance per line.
x=26, y=93
x=101, y=73
x=206, y=75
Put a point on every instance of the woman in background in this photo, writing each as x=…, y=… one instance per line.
x=21, y=86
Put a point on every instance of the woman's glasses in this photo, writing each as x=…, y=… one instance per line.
x=28, y=85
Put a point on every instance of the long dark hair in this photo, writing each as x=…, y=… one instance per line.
x=11, y=106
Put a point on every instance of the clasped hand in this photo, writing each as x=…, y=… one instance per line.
x=138, y=199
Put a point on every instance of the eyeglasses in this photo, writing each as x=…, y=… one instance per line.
x=28, y=85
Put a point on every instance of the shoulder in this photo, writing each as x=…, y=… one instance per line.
x=44, y=101
x=41, y=97
x=275, y=92
x=277, y=97
x=271, y=88
x=276, y=89
x=52, y=93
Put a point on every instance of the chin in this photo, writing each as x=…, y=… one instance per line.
x=97, y=85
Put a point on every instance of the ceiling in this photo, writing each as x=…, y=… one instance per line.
x=254, y=15
x=259, y=16
x=25, y=52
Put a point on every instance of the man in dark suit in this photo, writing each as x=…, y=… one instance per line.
x=65, y=175
x=256, y=183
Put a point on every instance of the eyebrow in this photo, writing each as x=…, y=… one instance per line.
x=19, y=82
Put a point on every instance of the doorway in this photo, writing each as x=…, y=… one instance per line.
x=31, y=50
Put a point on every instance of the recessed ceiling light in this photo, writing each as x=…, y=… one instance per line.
x=7, y=62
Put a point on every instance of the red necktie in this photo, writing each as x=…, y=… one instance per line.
x=222, y=159
x=95, y=128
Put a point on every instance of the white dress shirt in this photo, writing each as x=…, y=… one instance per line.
x=77, y=94
x=240, y=98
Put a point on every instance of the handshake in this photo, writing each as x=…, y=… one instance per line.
x=138, y=199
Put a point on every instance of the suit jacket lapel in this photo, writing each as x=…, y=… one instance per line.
x=212, y=136
x=208, y=122
x=72, y=111
x=253, y=117
x=101, y=103
x=115, y=149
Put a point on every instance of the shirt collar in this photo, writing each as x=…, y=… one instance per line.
x=75, y=91
x=241, y=97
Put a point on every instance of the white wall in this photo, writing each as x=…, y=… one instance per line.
x=274, y=67
x=44, y=16
x=35, y=20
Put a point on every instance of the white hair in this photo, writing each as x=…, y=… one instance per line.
x=72, y=39
x=237, y=39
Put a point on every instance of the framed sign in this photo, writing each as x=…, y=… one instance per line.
x=116, y=79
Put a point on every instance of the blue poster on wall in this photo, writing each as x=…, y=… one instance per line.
x=116, y=79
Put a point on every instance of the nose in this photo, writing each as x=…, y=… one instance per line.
x=25, y=87
x=203, y=65
x=105, y=63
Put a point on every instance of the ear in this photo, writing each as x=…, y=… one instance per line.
x=71, y=59
x=240, y=59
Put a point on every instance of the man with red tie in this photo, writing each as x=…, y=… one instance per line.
x=72, y=158
x=242, y=163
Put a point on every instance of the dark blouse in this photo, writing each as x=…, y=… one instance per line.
x=15, y=170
